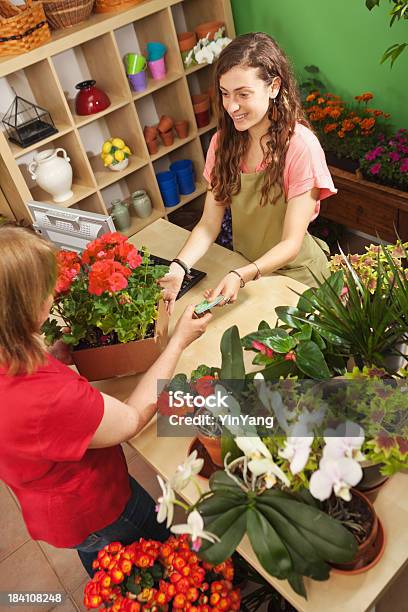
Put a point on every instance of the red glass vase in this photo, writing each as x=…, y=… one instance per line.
x=90, y=100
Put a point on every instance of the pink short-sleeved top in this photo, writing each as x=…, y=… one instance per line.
x=305, y=166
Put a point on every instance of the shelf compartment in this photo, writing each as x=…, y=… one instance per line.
x=196, y=12
x=29, y=84
x=141, y=179
x=191, y=150
x=85, y=62
x=121, y=123
x=82, y=178
x=93, y=203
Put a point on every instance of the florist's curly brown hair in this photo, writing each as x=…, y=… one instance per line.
x=255, y=50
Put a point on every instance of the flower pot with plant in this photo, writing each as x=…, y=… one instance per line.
x=115, y=154
x=143, y=575
x=109, y=300
x=387, y=162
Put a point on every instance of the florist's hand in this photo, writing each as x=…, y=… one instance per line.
x=171, y=284
x=189, y=328
x=62, y=351
x=228, y=287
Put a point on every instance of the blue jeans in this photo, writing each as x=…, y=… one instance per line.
x=138, y=520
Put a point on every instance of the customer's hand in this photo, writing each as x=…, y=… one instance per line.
x=171, y=284
x=189, y=328
x=61, y=351
x=228, y=287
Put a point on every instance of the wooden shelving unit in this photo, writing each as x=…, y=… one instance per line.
x=96, y=49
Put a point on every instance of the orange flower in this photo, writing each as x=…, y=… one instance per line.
x=330, y=127
x=320, y=100
x=365, y=97
x=367, y=124
x=311, y=97
x=340, y=134
x=335, y=113
x=347, y=125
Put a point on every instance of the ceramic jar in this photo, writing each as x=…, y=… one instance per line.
x=53, y=173
x=142, y=204
x=120, y=215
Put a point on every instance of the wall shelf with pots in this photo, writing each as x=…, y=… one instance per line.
x=95, y=51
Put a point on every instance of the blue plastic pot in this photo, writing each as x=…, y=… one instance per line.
x=183, y=170
x=168, y=188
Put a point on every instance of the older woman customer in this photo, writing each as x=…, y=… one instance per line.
x=60, y=438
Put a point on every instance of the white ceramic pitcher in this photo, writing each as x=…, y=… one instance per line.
x=53, y=173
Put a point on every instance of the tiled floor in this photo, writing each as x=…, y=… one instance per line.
x=26, y=565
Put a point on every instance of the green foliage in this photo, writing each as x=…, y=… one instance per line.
x=290, y=538
x=398, y=11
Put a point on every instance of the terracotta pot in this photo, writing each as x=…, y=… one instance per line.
x=150, y=132
x=166, y=124
x=182, y=128
x=202, y=118
x=186, y=40
x=370, y=551
x=372, y=492
x=201, y=102
x=153, y=146
x=208, y=27
x=167, y=138
x=213, y=448
x=124, y=359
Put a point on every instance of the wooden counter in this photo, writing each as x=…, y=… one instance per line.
x=257, y=301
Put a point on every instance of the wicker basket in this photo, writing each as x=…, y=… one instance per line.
x=22, y=28
x=67, y=13
x=110, y=6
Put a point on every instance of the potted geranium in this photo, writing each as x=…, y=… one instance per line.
x=387, y=162
x=108, y=300
x=154, y=577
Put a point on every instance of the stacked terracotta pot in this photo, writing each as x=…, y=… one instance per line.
x=165, y=131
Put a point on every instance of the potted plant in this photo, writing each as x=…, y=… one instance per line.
x=109, y=300
x=115, y=154
x=207, y=49
x=387, y=162
x=148, y=575
x=346, y=131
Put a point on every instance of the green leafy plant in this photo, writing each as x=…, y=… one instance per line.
x=109, y=294
x=398, y=11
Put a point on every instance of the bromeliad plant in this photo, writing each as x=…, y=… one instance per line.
x=106, y=295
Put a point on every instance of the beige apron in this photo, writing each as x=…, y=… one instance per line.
x=256, y=229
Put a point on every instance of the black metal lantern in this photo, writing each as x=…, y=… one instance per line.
x=27, y=123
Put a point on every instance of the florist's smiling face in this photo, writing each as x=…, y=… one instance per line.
x=246, y=97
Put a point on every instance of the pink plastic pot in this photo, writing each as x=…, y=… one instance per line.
x=158, y=69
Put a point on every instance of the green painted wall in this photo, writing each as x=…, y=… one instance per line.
x=342, y=38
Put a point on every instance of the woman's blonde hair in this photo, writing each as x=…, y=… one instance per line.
x=27, y=277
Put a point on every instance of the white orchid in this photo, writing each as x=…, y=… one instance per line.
x=204, y=56
x=195, y=528
x=297, y=451
x=186, y=471
x=268, y=469
x=344, y=441
x=335, y=475
x=260, y=461
x=165, y=507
